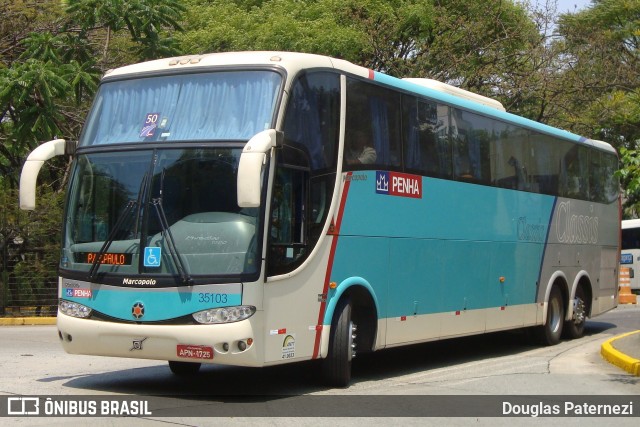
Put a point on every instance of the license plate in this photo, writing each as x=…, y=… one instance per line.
x=194, y=351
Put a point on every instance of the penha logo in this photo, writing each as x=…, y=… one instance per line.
x=399, y=184
x=382, y=182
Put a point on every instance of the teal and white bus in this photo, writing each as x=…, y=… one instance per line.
x=261, y=208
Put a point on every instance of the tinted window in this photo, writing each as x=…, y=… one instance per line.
x=509, y=157
x=373, y=127
x=312, y=121
x=630, y=238
x=427, y=149
x=306, y=171
x=576, y=172
x=471, y=135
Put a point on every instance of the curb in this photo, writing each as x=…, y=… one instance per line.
x=618, y=358
x=16, y=321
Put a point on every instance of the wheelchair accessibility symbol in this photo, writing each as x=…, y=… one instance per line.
x=152, y=256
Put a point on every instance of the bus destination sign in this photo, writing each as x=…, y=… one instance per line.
x=105, y=259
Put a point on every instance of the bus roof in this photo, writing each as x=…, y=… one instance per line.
x=456, y=91
x=294, y=62
x=291, y=61
x=630, y=223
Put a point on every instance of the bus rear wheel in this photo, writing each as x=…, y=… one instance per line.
x=575, y=327
x=336, y=366
x=551, y=331
x=184, y=368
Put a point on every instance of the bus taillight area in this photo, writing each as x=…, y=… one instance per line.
x=224, y=344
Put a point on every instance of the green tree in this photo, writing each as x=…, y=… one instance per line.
x=30, y=249
x=471, y=44
x=602, y=68
x=52, y=53
x=304, y=26
x=48, y=74
x=146, y=22
x=602, y=83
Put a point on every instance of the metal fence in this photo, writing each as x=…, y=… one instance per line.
x=29, y=254
x=27, y=301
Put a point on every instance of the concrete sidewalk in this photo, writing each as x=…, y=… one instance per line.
x=622, y=350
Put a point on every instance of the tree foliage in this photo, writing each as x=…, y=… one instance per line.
x=601, y=82
x=471, y=44
x=52, y=54
x=601, y=70
x=30, y=248
x=579, y=72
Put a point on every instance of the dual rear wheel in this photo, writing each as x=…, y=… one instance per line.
x=556, y=326
x=575, y=327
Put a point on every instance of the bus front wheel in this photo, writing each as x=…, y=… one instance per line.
x=551, y=331
x=184, y=368
x=336, y=366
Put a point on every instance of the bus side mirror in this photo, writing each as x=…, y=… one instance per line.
x=31, y=169
x=252, y=159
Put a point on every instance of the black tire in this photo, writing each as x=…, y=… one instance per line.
x=575, y=327
x=184, y=368
x=551, y=332
x=336, y=367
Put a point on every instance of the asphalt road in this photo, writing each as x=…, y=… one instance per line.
x=33, y=363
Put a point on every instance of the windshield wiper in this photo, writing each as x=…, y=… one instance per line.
x=171, y=244
x=166, y=231
x=93, y=271
x=129, y=207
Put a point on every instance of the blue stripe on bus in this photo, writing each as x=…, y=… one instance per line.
x=553, y=210
x=157, y=305
x=446, y=251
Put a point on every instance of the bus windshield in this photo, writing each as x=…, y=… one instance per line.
x=167, y=212
x=229, y=105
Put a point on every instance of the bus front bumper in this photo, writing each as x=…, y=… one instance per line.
x=224, y=344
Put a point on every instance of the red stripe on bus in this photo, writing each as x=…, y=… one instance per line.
x=327, y=277
x=371, y=74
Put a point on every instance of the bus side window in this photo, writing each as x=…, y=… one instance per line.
x=306, y=170
x=575, y=174
x=426, y=137
x=312, y=118
x=611, y=184
x=373, y=118
x=288, y=220
x=597, y=178
x=543, y=160
x=509, y=159
x=471, y=151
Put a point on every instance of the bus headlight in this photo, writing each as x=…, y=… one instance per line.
x=224, y=314
x=74, y=309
